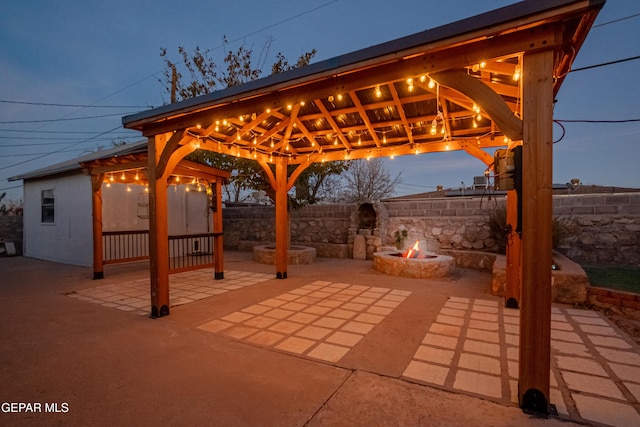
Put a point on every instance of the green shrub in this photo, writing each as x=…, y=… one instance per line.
x=561, y=228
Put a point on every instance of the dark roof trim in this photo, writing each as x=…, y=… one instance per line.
x=74, y=164
x=378, y=52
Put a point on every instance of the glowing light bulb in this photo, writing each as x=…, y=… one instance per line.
x=517, y=73
x=378, y=92
x=255, y=140
x=111, y=178
x=359, y=141
x=339, y=97
x=423, y=79
x=108, y=184
x=384, y=139
x=289, y=107
x=122, y=177
x=431, y=84
x=137, y=176
x=475, y=124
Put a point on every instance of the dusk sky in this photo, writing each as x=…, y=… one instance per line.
x=71, y=70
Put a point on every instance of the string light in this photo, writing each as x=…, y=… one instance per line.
x=378, y=92
x=431, y=84
x=517, y=73
x=137, y=176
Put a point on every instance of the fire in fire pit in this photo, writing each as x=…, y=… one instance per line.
x=415, y=252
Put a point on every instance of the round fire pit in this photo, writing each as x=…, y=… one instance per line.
x=429, y=266
x=266, y=254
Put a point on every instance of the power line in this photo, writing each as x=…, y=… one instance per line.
x=616, y=20
x=51, y=138
x=50, y=131
x=588, y=67
x=57, y=151
x=38, y=154
x=599, y=121
x=65, y=119
x=10, y=188
x=6, y=101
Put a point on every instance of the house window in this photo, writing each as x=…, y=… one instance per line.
x=48, y=206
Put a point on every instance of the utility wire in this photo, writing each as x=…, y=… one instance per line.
x=46, y=104
x=65, y=119
x=616, y=20
x=57, y=151
x=588, y=67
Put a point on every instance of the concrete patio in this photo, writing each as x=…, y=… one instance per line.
x=336, y=343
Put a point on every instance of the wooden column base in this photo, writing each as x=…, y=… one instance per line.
x=534, y=402
x=155, y=313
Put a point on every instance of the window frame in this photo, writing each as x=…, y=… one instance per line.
x=47, y=206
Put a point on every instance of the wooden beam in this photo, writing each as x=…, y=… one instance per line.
x=218, y=243
x=296, y=173
x=369, y=75
x=488, y=100
x=537, y=156
x=168, y=149
x=96, y=209
x=158, y=231
x=282, y=220
x=269, y=173
x=514, y=254
x=477, y=152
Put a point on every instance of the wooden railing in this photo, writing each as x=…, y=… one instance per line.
x=186, y=252
x=125, y=246
x=190, y=251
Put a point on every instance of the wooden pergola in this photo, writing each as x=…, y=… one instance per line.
x=131, y=168
x=487, y=81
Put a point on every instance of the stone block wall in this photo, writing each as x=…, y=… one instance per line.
x=607, y=226
x=324, y=227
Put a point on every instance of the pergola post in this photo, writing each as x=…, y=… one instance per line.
x=282, y=220
x=158, y=231
x=96, y=209
x=218, y=246
x=514, y=254
x=537, y=154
